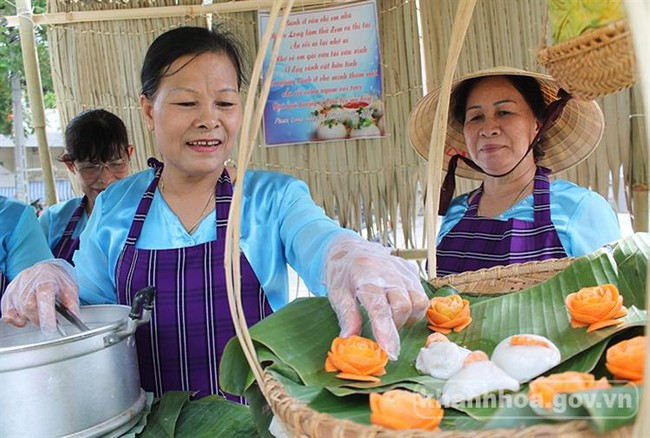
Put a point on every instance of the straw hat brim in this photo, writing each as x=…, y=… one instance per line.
x=569, y=141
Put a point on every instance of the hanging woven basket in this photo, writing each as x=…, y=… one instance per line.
x=594, y=64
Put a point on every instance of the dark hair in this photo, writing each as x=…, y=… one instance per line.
x=527, y=86
x=95, y=135
x=183, y=41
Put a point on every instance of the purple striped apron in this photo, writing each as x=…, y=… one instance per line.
x=190, y=324
x=479, y=242
x=66, y=246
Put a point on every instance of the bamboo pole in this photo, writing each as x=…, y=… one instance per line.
x=439, y=129
x=253, y=110
x=35, y=93
x=410, y=254
x=638, y=14
x=160, y=12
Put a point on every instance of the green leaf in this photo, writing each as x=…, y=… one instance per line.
x=606, y=408
x=423, y=384
x=514, y=411
x=298, y=391
x=165, y=412
x=235, y=375
x=631, y=256
x=356, y=407
x=583, y=362
x=215, y=416
x=612, y=408
x=263, y=414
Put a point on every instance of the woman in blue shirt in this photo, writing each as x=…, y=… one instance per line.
x=166, y=227
x=97, y=152
x=512, y=129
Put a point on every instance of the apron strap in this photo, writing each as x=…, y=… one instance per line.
x=145, y=203
x=542, y=196
x=76, y=215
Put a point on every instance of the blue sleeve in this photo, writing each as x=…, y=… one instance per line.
x=454, y=214
x=306, y=232
x=44, y=222
x=592, y=225
x=91, y=263
x=26, y=245
x=281, y=224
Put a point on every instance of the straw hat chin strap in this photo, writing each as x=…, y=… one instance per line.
x=552, y=112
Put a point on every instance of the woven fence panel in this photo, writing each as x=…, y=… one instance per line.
x=97, y=64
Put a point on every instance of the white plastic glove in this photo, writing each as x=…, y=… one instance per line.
x=387, y=286
x=32, y=294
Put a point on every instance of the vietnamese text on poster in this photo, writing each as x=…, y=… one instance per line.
x=327, y=79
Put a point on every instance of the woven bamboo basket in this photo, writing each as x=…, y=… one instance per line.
x=503, y=279
x=301, y=420
x=594, y=64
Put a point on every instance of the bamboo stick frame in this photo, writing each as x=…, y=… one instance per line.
x=439, y=128
x=160, y=12
x=35, y=93
x=251, y=124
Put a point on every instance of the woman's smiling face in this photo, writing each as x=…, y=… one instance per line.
x=195, y=114
x=499, y=125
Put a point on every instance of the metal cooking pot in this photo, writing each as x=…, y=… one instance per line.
x=84, y=384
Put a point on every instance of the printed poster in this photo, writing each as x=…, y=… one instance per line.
x=327, y=80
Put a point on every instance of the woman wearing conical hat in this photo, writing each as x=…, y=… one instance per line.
x=513, y=129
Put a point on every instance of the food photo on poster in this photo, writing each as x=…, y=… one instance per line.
x=327, y=81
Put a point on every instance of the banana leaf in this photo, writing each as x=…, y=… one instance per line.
x=161, y=422
x=612, y=408
x=356, y=408
x=215, y=417
x=297, y=338
x=631, y=256
x=175, y=415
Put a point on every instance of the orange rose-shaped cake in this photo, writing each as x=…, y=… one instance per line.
x=596, y=307
x=447, y=313
x=357, y=358
x=400, y=410
x=625, y=360
x=543, y=389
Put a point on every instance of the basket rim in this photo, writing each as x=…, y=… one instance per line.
x=497, y=273
x=586, y=42
x=295, y=415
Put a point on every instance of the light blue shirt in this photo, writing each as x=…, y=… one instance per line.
x=280, y=224
x=583, y=219
x=21, y=240
x=54, y=220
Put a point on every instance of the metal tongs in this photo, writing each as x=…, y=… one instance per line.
x=71, y=317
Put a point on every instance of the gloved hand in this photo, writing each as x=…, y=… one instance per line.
x=32, y=294
x=387, y=286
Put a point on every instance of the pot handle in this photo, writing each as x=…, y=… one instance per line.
x=140, y=314
x=142, y=305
